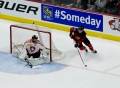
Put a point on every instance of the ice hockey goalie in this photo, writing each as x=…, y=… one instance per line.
x=34, y=51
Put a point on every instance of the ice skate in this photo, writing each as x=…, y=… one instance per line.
x=94, y=51
x=86, y=49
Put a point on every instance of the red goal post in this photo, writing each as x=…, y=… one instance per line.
x=20, y=32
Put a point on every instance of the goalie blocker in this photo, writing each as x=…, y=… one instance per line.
x=34, y=51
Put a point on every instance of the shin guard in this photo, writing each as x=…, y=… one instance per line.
x=90, y=46
x=82, y=48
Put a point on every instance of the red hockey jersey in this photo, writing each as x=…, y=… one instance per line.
x=76, y=36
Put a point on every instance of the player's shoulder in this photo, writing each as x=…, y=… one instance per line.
x=28, y=41
x=38, y=42
x=73, y=28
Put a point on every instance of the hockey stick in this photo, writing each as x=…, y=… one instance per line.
x=28, y=62
x=81, y=57
x=38, y=66
x=16, y=47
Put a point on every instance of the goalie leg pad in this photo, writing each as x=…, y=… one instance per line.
x=16, y=54
x=46, y=60
x=36, y=61
x=22, y=56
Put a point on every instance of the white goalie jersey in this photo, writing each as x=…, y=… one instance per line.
x=31, y=48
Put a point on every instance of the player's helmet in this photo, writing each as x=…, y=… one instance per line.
x=34, y=37
x=81, y=28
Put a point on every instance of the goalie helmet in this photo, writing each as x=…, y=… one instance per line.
x=34, y=37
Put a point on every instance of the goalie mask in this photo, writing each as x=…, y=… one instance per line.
x=34, y=38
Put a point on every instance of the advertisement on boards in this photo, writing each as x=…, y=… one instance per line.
x=71, y=17
x=24, y=9
x=111, y=25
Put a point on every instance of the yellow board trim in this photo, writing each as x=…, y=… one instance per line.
x=59, y=27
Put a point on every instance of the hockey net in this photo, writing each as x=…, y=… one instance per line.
x=19, y=33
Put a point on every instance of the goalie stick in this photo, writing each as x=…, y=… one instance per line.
x=16, y=47
x=31, y=64
x=26, y=60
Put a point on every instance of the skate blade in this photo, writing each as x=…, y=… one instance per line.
x=35, y=67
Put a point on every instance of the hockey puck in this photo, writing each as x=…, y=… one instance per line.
x=85, y=65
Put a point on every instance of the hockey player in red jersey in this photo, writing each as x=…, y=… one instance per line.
x=79, y=36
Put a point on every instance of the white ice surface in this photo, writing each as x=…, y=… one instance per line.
x=103, y=69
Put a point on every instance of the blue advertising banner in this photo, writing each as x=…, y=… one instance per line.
x=71, y=17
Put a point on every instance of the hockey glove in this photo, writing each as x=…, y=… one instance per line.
x=76, y=45
x=71, y=36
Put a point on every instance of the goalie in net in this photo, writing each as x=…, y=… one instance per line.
x=34, y=51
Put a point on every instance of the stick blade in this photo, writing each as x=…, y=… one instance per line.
x=35, y=67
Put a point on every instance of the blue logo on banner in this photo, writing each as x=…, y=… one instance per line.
x=47, y=13
x=72, y=17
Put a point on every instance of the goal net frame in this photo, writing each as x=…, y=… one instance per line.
x=22, y=28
